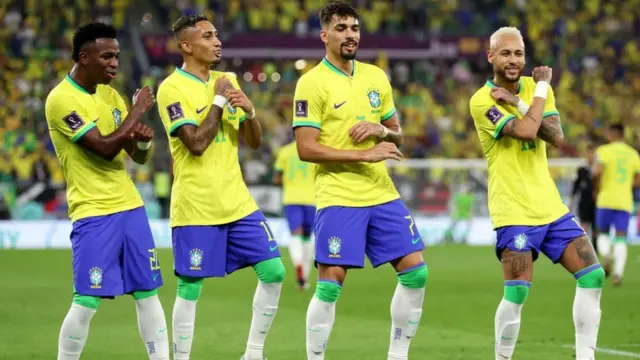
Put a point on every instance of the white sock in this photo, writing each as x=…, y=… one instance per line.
x=265, y=306
x=74, y=332
x=184, y=322
x=507, y=328
x=308, y=252
x=295, y=250
x=619, y=258
x=153, y=327
x=586, y=318
x=406, y=311
x=604, y=245
x=320, y=318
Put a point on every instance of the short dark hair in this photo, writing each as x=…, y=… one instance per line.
x=89, y=33
x=342, y=10
x=617, y=127
x=186, y=21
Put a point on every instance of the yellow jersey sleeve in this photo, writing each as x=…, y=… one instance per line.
x=388, y=108
x=67, y=116
x=240, y=113
x=490, y=117
x=550, y=105
x=307, y=104
x=174, y=109
x=281, y=160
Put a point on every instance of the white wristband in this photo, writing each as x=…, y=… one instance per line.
x=252, y=114
x=144, y=145
x=385, y=132
x=523, y=107
x=542, y=87
x=219, y=101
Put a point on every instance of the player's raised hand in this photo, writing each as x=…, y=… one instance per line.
x=363, y=129
x=141, y=132
x=237, y=98
x=222, y=85
x=143, y=100
x=542, y=73
x=383, y=151
x=504, y=95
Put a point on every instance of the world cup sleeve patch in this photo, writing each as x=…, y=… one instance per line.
x=175, y=111
x=73, y=121
x=493, y=114
x=302, y=108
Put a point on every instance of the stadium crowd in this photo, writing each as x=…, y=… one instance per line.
x=592, y=46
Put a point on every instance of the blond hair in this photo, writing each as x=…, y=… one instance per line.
x=504, y=31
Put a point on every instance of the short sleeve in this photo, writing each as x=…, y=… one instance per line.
x=550, y=104
x=490, y=117
x=387, y=107
x=240, y=113
x=280, y=160
x=67, y=116
x=174, y=109
x=307, y=104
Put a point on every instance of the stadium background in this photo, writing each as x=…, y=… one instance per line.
x=434, y=53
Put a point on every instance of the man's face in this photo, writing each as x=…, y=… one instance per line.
x=202, y=43
x=507, y=58
x=342, y=36
x=101, y=60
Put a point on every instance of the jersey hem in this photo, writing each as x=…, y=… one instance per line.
x=225, y=221
x=306, y=124
x=177, y=125
x=544, y=222
x=497, y=134
x=106, y=212
x=86, y=129
x=300, y=203
x=388, y=115
x=630, y=211
x=363, y=205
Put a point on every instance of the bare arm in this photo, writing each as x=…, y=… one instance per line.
x=251, y=132
x=596, y=175
x=198, y=138
x=277, y=178
x=310, y=150
x=136, y=154
x=108, y=147
x=526, y=129
x=551, y=131
x=395, y=131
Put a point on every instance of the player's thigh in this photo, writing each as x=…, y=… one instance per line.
x=393, y=235
x=604, y=220
x=578, y=252
x=517, y=247
x=340, y=235
x=561, y=234
x=140, y=259
x=621, y=222
x=295, y=218
x=199, y=251
x=309, y=219
x=96, y=247
x=250, y=241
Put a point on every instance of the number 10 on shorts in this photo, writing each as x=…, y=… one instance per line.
x=153, y=260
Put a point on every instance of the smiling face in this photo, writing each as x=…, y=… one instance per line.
x=507, y=57
x=101, y=59
x=341, y=36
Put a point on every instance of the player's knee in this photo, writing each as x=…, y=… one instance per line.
x=91, y=302
x=591, y=277
x=516, y=291
x=189, y=288
x=415, y=278
x=139, y=295
x=270, y=271
x=328, y=291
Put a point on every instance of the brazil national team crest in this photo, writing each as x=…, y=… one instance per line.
x=335, y=245
x=95, y=277
x=374, y=98
x=232, y=110
x=195, y=258
x=117, y=117
x=520, y=241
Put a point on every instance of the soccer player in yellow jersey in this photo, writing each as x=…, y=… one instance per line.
x=216, y=225
x=515, y=116
x=345, y=122
x=615, y=173
x=112, y=246
x=299, y=198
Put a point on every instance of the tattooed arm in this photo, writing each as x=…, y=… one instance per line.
x=551, y=131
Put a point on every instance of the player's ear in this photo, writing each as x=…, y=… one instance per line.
x=83, y=57
x=489, y=57
x=323, y=36
x=185, y=46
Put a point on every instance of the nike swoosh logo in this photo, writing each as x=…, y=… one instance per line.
x=76, y=337
x=198, y=111
x=314, y=330
x=184, y=337
x=413, y=322
x=96, y=120
x=336, y=106
x=162, y=330
x=273, y=247
x=415, y=241
x=155, y=277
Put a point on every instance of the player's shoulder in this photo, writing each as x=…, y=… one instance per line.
x=370, y=69
x=62, y=95
x=170, y=82
x=481, y=97
x=527, y=81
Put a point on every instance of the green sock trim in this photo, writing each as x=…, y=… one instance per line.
x=189, y=288
x=87, y=301
x=622, y=239
x=592, y=280
x=516, y=294
x=328, y=291
x=139, y=295
x=414, y=279
x=270, y=271
x=305, y=239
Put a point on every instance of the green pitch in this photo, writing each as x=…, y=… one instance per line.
x=465, y=286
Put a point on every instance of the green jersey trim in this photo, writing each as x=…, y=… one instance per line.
x=388, y=115
x=550, y=113
x=175, y=126
x=86, y=129
x=306, y=123
x=75, y=84
x=498, y=133
x=192, y=77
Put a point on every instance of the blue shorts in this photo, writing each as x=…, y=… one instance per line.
x=551, y=239
x=114, y=254
x=300, y=216
x=608, y=218
x=218, y=250
x=383, y=232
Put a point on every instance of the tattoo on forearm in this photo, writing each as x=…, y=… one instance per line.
x=209, y=127
x=551, y=130
x=585, y=250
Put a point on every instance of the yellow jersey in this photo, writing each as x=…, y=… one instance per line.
x=95, y=186
x=297, y=177
x=207, y=189
x=521, y=190
x=332, y=101
x=621, y=163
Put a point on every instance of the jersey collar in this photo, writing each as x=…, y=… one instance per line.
x=192, y=77
x=75, y=85
x=490, y=84
x=336, y=70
